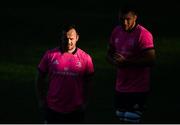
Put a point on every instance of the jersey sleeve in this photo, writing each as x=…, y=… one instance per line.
x=145, y=40
x=112, y=37
x=43, y=65
x=89, y=66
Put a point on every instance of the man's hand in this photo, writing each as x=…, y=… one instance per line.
x=118, y=59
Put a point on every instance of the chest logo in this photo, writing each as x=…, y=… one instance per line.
x=55, y=62
x=116, y=40
x=78, y=64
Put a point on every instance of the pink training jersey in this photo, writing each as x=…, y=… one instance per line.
x=130, y=44
x=66, y=73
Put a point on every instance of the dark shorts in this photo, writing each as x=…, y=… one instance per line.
x=130, y=101
x=75, y=117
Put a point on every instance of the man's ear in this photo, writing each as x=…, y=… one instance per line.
x=135, y=17
x=77, y=37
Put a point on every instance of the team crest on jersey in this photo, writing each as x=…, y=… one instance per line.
x=116, y=40
x=78, y=64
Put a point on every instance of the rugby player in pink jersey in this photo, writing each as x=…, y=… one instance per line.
x=131, y=50
x=69, y=70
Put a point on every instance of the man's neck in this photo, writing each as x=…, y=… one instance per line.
x=72, y=51
x=133, y=27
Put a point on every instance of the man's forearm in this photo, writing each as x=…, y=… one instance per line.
x=145, y=59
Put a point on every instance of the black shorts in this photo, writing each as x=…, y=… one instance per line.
x=130, y=101
x=75, y=117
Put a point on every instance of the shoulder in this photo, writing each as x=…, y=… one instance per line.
x=51, y=52
x=142, y=29
x=144, y=32
x=117, y=29
x=82, y=53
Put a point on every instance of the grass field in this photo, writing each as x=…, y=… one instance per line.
x=18, y=64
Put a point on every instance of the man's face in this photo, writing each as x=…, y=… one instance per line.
x=128, y=21
x=70, y=39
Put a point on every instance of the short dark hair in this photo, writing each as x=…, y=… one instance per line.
x=63, y=29
x=67, y=27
